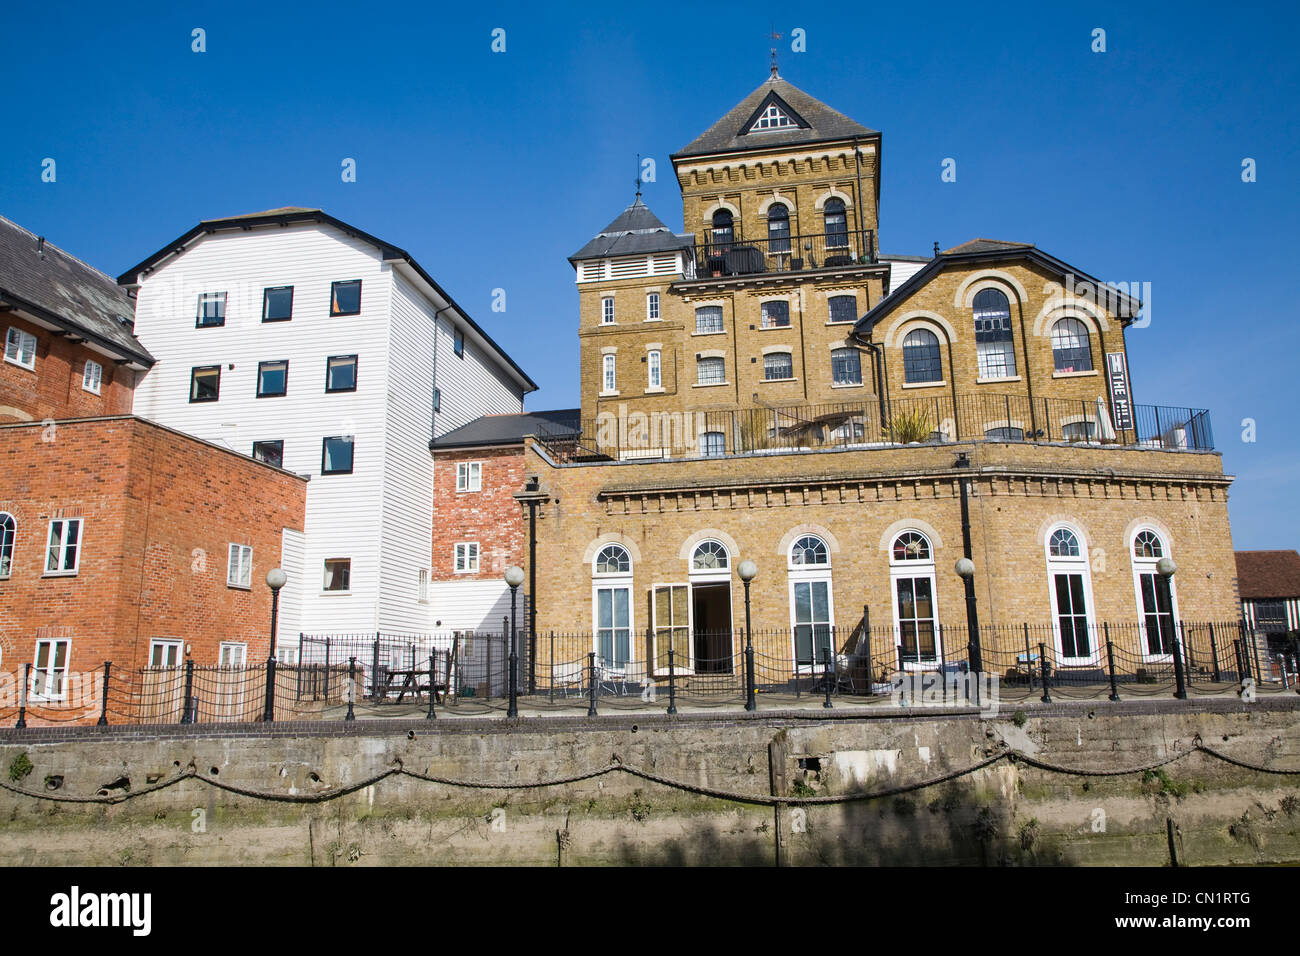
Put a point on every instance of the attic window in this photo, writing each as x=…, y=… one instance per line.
x=773, y=118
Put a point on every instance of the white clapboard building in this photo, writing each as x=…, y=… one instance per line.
x=303, y=341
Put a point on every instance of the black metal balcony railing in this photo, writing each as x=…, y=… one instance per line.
x=737, y=256
x=771, y=430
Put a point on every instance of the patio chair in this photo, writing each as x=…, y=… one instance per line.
x=568, y=676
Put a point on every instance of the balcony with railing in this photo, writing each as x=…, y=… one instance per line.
x=865, y=425
x=718, y=256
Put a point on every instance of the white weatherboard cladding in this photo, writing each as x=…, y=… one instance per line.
x=291, y=595
x=480, y=605
x=472, y=386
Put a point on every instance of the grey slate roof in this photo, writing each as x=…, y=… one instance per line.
x=636, y=231
x=730, y=133
x=511, y=429
x=986, y=245
x=63, y=290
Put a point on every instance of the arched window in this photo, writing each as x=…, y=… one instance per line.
x=710, y=556
x=778, y=228
x=723, y=230
x=1071, y=349
x=812, y=610
x=1158, y=607
x=993, y=340
x=921, y=361
x=612, y=606
x=837, y=224
x=1071, y=595
x=1005, y=433
x=916, y=620
x=8, y=527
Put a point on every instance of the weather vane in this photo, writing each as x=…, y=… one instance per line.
x=638, y=175
x=774, y=36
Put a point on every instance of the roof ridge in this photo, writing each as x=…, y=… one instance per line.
x=59, y=249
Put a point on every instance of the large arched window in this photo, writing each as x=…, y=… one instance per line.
x=993, y=340
x=8, y=527
x=1071, y=595
x=724, y=232
x=778, y=228
x=812, y=610
x=916, y=618
x=1159, y=610
x=612, y=606
x=921, y=360
x=1071, y=349
x=837, y=224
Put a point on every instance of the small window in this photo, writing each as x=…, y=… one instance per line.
x=773, y=118
x=8, y=528
x=272, y=379
x=846, y=367
x=469, y=476
x=345, y=297
x=843, y=308
x=708, y=319
x=63, y=551
x=654, y=364
x=338, y=574
x=205, y=383
x=613, y=559
x=1147, y=546
x=710, y=556
x=711, y=371
x=91, y=376
x=437, y=400
x=336, y=455
x=652, y=305
x=270, y=452
x=809, y=552
x=458, y=343
x=1063, y=544
x=778, y=228
x=164, y=653
x=921, y=361
x=607, y=311
x=277, y=304
x=51, y=668
x=776, y=314
x=232, y=654
x=713, y=444
x=20, y=348
x=778, y=366
x=1079, y=431
x=239, y=566
x=723, y=228
x=422, y=586
x=911, y=546
x=609, y=376
x=1004, y=433
x=1071, y=351
x=341, y=373
x=212, y=310
x=466, y=557
x=837, y=224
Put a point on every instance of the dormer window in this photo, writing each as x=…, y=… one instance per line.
x=773, y=118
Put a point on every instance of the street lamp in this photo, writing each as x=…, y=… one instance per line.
x=514, y=578
x=965, y=569
x=1165, y=569
x=748, y=570
x=275, y=579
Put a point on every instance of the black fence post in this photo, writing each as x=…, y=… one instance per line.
x=1110, y=661
x=1214, y=655
x=103, y=710
x=1254, y=643
x=672, y=682
x=550, y=684
x=22, y=700
x=1042, y=663
x=943, y=666
x=187, y=708
x=591, y=683
x=268, y=715
x=352, y=688
x=1029, y=658
x=433, y=693
x=866, y=637
x=327, y=668
x=826, y=677
x=750, y=702
x=300, y=667
x=1236, y=651
x=1180, y=677
x=374, y=672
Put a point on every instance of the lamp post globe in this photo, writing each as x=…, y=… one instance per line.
x=514, y=576
x=1165, y=567
x=275, y=579
x=747, y=570
x=965, y=568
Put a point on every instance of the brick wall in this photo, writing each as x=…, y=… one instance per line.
x=491, y=516
x=159, y=511
x=53, y=389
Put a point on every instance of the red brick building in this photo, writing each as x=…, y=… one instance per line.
x=69, y=347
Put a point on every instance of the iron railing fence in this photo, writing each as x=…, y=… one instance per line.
x=666, y=668
x=876, y=424
x=716, y=257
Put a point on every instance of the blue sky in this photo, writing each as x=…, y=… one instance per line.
x=491, y=168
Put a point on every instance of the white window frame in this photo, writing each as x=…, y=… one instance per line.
x=239, y=566
x=470, y=552
x=232, y=647
x=609, y=374
x=469, y=476
x=915, y=568
x=659, y=655
x=654, y=369
x=167, y=644
x=809, y=574
x=19, y=339
x=652, y=307
x=37, y=692
x=607, y=310
x=8, y=540
x=1057, y=565
x=612, y=582
x=422, y=586
x=78, y=547
x=91, y=382
x=1144, y=566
